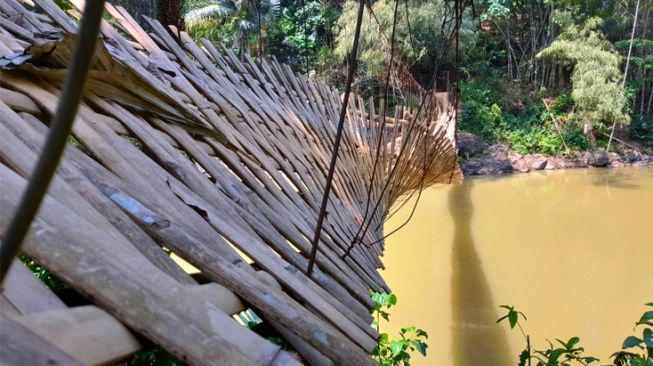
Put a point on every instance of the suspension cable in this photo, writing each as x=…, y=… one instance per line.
x=456, y=104
x=336, y=147
x=445, y=48
x=455, y=35
x=305, y=30
x=60, y=127
x=383, y=122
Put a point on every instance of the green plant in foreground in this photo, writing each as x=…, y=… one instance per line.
x=563, y=353
x=635, y=351
x=154, y=356
x=395, y=352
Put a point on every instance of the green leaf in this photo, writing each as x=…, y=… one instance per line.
x=396, y=347
x=512, y=318
x=590, y=359
x=383, y=338
x=631, y=341
x=555, y=354
x=523, y=357
x=407, y=330
x=572, y=342
x=646, y=318
x=648, y=337
x=391, y=300
x=421, y=347
x=639, y=361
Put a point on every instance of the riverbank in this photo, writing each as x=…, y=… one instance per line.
x=477, y=158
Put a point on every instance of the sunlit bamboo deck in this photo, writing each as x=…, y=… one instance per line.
x=191, y=148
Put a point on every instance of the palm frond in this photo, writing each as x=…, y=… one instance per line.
x=245, y=25
x=215, y=10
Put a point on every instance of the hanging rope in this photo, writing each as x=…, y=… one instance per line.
x=458, y=15
x=305, y=31
x=334, y=155
x=455, y=35
x=383, y=122
x=60, y=127
x=384, y=98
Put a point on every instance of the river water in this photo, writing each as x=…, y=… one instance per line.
x=571, y=249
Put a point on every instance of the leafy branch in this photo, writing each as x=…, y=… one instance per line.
x=395, y=352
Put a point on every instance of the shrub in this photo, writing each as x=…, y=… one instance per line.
x=395, y=352
x=541, y=141
x=635, y=351
x=641, y=129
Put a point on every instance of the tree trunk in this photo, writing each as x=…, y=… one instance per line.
x=589, y=133
x=169, y=12
x=139, y=8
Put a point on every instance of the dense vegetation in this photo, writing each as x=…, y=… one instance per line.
x=532, y=73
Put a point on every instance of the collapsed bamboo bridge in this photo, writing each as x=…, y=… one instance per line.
x=217, y=158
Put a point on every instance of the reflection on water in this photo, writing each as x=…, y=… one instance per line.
x=477, y=340
x=571, y=249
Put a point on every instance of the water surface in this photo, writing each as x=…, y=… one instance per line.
x=572, y=249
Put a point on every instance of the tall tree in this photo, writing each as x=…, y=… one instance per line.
x=169, y=12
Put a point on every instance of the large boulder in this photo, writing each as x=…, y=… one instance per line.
x=500, y=151
x=555, y=163
x=521, y=165
x=631, y=156
x=613, y=156
x=538, y=163
x=644, y=160
x=469, y=144
x=579, y=160
x=486, y=166
x=599, y=158
x=527, y=163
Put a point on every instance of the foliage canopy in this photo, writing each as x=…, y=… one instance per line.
x=597, y=78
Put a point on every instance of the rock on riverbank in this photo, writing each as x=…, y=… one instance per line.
x=479, y=159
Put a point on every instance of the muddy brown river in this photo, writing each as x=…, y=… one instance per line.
x=571, y=249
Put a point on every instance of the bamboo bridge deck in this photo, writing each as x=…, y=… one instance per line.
x=216, y=158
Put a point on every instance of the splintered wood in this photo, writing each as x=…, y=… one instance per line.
x=218, y=158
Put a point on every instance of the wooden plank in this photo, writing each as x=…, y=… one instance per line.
x=105, y=153
x=26, y=293
x=86, y=333
x=6, y=307
x=132, y=289
x=21, y=347
x=22, y=159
